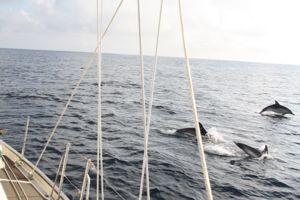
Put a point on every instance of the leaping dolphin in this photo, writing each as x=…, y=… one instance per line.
x=192, y=130
x=277, y=108
x=252, y=152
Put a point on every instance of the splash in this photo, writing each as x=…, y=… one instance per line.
x=167, y=131
x=219, y=150
x=216, y=144
x=214, y=136
x=266, y=157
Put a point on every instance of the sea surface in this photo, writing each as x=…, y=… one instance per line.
x=229, y=98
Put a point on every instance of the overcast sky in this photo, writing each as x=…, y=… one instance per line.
x=248, y=30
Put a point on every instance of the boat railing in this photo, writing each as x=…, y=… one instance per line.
x=61, y=169
x=25, y=137
x=86, y=181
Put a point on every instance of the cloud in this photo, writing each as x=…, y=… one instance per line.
x=10, y=2
x=252, y=30
x=28, y=18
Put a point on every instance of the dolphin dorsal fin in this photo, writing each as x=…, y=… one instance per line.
x=202, y=129
x=265, y=151
x=276, y=102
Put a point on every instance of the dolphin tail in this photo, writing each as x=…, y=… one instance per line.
x=290, y=112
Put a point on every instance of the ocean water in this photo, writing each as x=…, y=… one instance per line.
x=229, y=97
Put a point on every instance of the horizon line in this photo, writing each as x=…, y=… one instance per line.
x=147, y=55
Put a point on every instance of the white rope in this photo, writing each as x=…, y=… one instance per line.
x=62, y=176
x=198, y=132
x=78, y=153
x=114, y=189
x=16, y=178
x=25, y=138
x=87, y=66
x=78, y=190
x=92, y=168
x=84, y=71
x=87, y=194
x=84, y=183
x=57, y=174
x=143, y=98
x=112, y=18
x=99, y=127
x=14, y=181
x=145, y=160
x=9, y=177
x=105, y=180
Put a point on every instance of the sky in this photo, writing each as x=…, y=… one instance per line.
x=245, y=30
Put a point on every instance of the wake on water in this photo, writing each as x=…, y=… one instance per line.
x=215, y=144
x=214, y=135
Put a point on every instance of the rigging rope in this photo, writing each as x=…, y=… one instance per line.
x=25, y=138
x=72, y=184
x=114, y=189
x=84, y=183
x=15, y=177
x=99, y=125
x=85, y=69
x=198, y=132
x=56, y=176
x=64, y=165
x=112, y=18
x=92, y=168
x=143, y=99
x=14, y=181
x=87, y=66
x=87, y=194
x=145, y=160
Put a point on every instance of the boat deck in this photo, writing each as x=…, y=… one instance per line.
x=17, y=184
x=14, y=185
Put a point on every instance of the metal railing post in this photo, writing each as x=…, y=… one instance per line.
x=62, y=175
x=87, y=168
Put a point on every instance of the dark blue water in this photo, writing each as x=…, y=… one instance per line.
x=229, y=97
